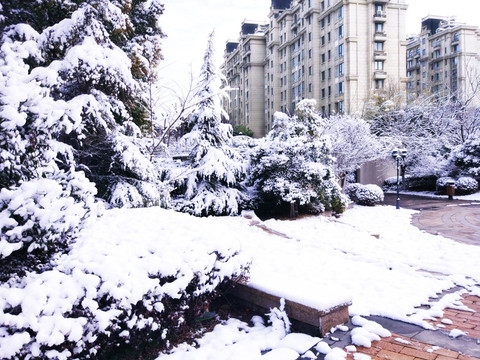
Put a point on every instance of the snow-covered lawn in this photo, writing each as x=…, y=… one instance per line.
x=318, y=261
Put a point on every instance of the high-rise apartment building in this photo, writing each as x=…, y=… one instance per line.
x=444, y=60
x=244, y=69
x=339, y=52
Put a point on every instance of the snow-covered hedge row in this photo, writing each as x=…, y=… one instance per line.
x=132, y=273
x=364, y=194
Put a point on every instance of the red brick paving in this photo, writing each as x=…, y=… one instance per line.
x=391, y=349
x=465, y=321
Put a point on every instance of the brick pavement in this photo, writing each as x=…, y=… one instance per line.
x=397, y=347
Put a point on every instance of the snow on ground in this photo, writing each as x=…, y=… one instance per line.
x=325, y=261
x=319, y=261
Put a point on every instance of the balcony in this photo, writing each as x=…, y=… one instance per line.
x=379, y=74
x=380, y=16
x=379, y=55
x=380, y=35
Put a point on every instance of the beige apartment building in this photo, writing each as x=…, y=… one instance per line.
x=444, y=61
x=339, y=52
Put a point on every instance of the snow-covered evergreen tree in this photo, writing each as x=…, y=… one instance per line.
x=100, y=55
x=293, y=165
x=42, y=197
x=214, y=169
x=72, y=76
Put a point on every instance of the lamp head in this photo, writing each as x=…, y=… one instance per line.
x=395, y=153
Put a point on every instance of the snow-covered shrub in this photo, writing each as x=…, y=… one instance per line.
x=214, y=169
x=441, y=184
x=392, y=182
x=368, y=195
x=466, y=185
x=467, y=158
x=118, y=285
x=293, y=165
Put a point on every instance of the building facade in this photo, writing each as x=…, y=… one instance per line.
x=444, y=61
x=339, y=52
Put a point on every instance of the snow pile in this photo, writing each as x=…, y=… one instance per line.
x=367, y=331
x=237, y=340
x=369, y=195
x=129, y=274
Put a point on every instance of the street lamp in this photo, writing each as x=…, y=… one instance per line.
x=399, y=155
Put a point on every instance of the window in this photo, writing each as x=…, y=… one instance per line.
x=328, y=18
x=323, y=93
x=310, y=87
x=378, y=9
x=340, y=50
x=329, y=73
x=328, y=37
x=323, y=40
x=340, y=12
x=378, y=46
x=340, y=32
x=341, y=70
x=329, y=90
x=379, y=27
x=309, y=36
x=341, y=89
x=310, y=70
x=341, y=107
x=329, y=55
x=310, y=53
x=378, y=65
x=379, y=83
x=322, y=23
x=323, y=58
x=323, y=75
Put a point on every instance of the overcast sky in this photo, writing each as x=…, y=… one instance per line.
x=188, y=23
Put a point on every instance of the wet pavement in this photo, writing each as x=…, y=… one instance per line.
x=455, y=219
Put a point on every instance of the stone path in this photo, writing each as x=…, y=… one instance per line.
x=456, y=219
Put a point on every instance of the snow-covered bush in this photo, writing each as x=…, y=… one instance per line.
x=466, y=158
x=368, y=195
x=441, y=184
x=214, y=169
x=293, y=165
x=466, y=185
x=118, y=285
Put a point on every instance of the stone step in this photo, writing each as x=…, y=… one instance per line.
x=306, y=317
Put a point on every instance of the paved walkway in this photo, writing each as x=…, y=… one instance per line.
x=456, y=219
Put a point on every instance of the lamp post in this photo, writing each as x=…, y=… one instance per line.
x=399, y=155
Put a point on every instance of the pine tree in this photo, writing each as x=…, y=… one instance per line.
x=73, y=75
x=215, y=169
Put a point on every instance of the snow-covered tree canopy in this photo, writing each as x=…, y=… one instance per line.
x=210, y=183
x=429, y=128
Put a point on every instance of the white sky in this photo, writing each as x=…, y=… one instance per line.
x=188, y=23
